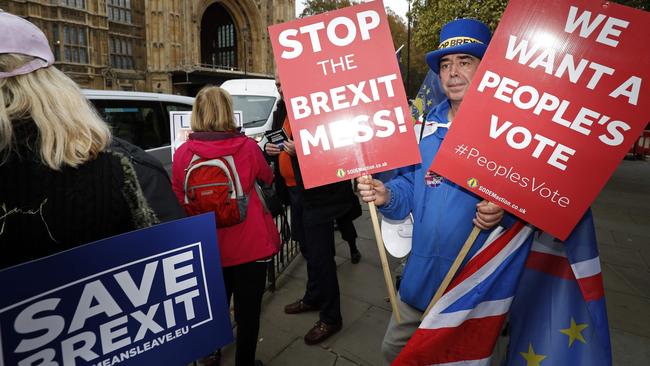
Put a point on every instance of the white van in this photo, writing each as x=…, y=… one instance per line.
x=256, y=99
x=140, y=118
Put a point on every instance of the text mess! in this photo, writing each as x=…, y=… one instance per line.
x=358, y=129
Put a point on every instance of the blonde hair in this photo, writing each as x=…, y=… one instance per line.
x=70, y=131
x=212, y=111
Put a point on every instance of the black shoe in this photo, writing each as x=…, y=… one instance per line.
x=355, y=257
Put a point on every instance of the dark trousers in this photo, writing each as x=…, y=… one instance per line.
x=297, y=226
x=317, y=246
x=322, y=282
x=347, y=229
x=245, y=283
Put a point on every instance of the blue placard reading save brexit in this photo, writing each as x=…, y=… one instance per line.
x=149, y=297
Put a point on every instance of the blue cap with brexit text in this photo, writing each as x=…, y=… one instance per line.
x=468, y=36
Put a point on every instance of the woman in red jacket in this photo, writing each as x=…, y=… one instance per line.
x=245, y=248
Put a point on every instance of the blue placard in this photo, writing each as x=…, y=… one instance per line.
x=149, y=297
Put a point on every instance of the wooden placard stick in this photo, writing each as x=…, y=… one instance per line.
x=454, y=268
x=384, y=261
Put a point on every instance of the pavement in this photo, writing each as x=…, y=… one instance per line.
x=622, y=217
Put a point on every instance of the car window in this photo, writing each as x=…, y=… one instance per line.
x=175, y=107
x=139, y=122
x=255, y=108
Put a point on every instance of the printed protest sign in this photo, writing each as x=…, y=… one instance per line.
x=560, y=96
x=149, y=297
x=344, y=94
x=180, y=128
x=239, y=117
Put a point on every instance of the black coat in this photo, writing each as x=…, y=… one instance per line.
x=279, y=184
x=320, y=204
x=328, y=202
x=153, y=179
x=45, y=211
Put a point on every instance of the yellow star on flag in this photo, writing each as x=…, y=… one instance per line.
x=532, y=359
x=429, y=103
x=428, y=90
x=418, y=103
x=574, y=332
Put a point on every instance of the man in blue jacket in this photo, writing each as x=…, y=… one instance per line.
x=443, y=212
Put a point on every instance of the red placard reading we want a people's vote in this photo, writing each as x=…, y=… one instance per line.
x=559, y=98
x=344, y=94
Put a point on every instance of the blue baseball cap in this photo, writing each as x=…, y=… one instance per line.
x=468, y=36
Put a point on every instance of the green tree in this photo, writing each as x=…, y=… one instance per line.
x=431, y=15
x=396, y=24
x=639, y=4
x=428, y=17
x=313, y=7
x=397, y=27
x=399, y=32
x=414, y=67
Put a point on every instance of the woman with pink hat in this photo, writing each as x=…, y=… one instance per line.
x=59, y=186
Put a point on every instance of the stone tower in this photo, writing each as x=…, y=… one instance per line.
x=168, y=46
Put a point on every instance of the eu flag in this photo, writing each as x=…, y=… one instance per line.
x=429, y=96
x=558, y=316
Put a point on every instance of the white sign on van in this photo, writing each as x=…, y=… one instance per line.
x=180, y=128
x=239, y=119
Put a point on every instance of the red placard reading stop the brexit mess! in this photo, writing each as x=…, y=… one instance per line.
x=560, y=96
x=344, y=94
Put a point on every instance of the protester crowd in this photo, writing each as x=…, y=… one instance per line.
x=65, y=181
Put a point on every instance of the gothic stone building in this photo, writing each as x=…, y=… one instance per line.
x=167, y=46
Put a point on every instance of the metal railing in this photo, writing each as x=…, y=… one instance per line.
x=215, y=66
x=288, y=249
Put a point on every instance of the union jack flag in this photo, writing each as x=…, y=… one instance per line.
x=558, y=314
x=463, y=326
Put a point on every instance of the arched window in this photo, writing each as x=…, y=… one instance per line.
x=218, y=38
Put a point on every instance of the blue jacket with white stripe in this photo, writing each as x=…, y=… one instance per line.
x=442, y=218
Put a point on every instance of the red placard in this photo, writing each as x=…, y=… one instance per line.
x=344, y=93
x=560, y=96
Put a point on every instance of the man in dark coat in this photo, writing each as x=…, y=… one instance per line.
x=314, y=212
